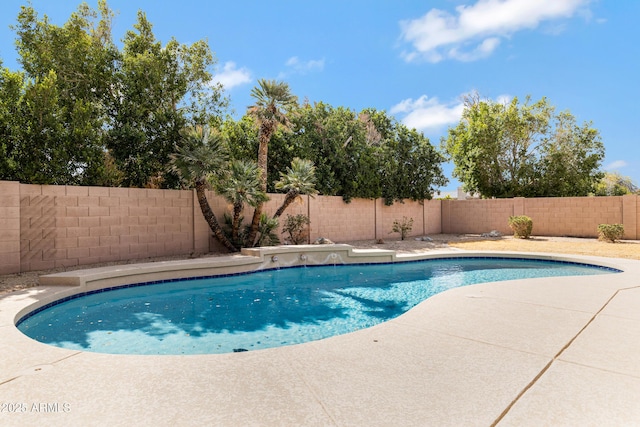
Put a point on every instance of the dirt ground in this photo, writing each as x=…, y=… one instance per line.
x=474, y=242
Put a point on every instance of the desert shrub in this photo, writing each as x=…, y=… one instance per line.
x=297, y=227
x=403, y=227
x=521, y=225
x=610, y=232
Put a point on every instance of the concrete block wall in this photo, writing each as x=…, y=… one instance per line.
x=432, y=216
x=631, y=216
x=43, y=227
x=573, y=216
x=338, y=221
x=9, y=227
x=476, y=216
x=62, y=226
x=566, y=216
x=398, y=211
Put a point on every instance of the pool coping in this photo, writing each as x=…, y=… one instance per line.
x=464, y=338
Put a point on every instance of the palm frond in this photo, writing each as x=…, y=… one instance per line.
x=273, y=99
x=201, y=155
x=241, y=184
x=300, y=177
x=266, y=229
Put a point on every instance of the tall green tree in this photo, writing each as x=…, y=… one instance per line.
x=158, y=91
x=87, y=112
x=367, y=154
x=273, y=100
x=511, y=150
x=410, y=166
x=57, y=136
x=10, y=121
x=570, y=159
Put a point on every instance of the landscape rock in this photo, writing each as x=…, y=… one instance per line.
x=322, y=241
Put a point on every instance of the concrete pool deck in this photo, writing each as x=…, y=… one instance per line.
x=550, y=351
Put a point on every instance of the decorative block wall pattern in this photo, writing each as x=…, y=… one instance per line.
x=62, y=226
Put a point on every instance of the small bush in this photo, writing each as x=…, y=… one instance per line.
x=521, y=225
x=403, y=227
x=297, y=228
x=610, y=232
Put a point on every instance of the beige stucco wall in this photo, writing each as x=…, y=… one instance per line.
x=43, y=227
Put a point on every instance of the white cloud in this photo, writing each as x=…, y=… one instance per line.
x=504, y=99
x=483, y=50
x=428, y=114
x=475, y=31
x=296, y=66
x=231, y=76
x=617, y=164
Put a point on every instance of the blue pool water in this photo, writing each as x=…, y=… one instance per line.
x=265, y=309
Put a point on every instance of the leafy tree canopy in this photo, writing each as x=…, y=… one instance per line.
x=82, y=111
x=523, y=150
x=614, y=184
x=367, y=154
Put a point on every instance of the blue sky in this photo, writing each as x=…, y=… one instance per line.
x=414, y=59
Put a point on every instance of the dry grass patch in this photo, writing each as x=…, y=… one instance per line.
x=623, y=249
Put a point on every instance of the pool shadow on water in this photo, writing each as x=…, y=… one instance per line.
x=384, y=309
x=275, y=299
x=245, y=310
x=289, y=299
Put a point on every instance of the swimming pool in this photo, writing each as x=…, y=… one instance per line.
x=264, y=309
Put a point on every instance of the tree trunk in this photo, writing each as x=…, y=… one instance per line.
x=255, y=223
x=235, y=224
x=289, y=198
x=210, y=217
x=266, y=130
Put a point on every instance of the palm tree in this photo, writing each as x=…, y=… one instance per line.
x=267, y=235
x=299, y=179
x=200, y=158
x=241, y=186
x=273, y=100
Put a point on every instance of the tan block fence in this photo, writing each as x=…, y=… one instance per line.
x=47, y=226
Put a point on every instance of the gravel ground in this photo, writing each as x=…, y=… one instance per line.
x=582, y=246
